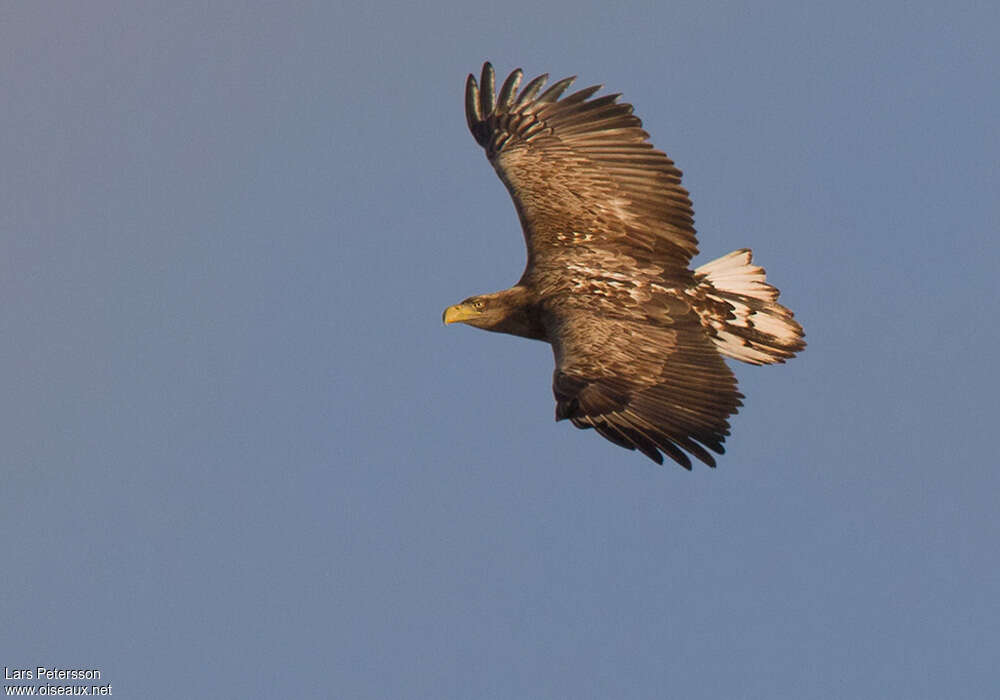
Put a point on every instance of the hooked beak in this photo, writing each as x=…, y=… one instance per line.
x=458, y=313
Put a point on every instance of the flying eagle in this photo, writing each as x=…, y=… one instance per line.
x=638, y=336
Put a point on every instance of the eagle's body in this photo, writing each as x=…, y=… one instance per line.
x=638, y=336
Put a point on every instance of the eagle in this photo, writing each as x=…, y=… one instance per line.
x=638, y=336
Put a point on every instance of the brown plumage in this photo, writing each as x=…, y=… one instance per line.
x=638, y=336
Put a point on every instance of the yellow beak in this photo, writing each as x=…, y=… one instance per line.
x=458, y=313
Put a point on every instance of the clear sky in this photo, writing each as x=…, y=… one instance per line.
x=241, y=457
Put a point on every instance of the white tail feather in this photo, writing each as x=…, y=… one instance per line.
x=741, y=311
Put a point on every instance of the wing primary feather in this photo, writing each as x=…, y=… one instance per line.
x=678, y=456
x=603, y=428
x=601, y=102
x=609, y=432
x=665, y=442
x=508, y=89
x=472, y=111
x=581, y=95
x=487, y=90
x=697, y=450
x=645, y=439
x=531, y=89
x=646, y=446
x=555, y=90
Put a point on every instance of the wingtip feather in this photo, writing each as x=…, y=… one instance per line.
x=487, y=90
x=509, y=88
x=531, y=89
x=473, y=114
x=556, y=90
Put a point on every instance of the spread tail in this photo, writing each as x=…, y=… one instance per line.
x=741, y=312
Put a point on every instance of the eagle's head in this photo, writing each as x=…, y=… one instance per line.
x=482, y=311
x=509, y=311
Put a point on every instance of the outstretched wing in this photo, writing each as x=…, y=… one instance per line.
x=581, y=167
x=654, y=387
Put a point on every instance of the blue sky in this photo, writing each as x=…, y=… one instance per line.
x=242, y=457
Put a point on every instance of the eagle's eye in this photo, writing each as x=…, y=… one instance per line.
x=478, y=305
